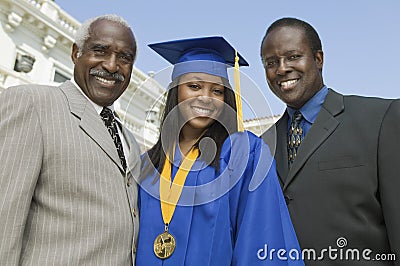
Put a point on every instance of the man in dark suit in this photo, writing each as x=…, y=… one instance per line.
x=67, y=189
x=334, y=155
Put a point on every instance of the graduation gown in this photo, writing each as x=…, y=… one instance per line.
x=237, y=216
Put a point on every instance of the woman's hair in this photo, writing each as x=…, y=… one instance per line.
x=218, y=131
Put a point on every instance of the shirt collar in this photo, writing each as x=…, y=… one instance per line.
x=312, y=107
x=97, y=107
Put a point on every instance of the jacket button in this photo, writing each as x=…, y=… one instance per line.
x=287, y=199
x=134, y=248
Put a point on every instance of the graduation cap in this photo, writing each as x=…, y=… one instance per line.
x=210, y=55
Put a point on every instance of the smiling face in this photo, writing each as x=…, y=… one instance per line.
x=200, y=99
x=293, y=73
x=104, y=66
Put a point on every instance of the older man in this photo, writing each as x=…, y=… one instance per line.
x=67, y=194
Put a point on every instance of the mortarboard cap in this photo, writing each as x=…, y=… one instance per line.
x=210, y=55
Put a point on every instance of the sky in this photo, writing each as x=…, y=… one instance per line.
x=360, y=38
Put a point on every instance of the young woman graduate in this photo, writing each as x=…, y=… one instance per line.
x=209, y=193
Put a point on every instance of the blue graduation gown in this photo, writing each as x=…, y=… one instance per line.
x=234, y=217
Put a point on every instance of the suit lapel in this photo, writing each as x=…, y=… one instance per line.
x=90, y=121
x=323, y=126
x=281, y=156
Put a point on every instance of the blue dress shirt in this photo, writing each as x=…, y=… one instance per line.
x=309, y=110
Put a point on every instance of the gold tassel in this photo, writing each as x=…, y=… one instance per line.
x=237, y=95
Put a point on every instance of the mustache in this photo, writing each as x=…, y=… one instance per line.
x=106, y=74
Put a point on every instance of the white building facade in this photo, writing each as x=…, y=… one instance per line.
x=260, y=125
x=36, y=38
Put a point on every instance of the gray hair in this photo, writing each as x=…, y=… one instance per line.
x=82, y=34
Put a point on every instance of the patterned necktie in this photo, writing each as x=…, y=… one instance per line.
x=111, y=124
x=295, y=136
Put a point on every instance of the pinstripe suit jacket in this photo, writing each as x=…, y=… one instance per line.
x=64, y=199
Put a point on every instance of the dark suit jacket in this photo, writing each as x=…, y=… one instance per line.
x=341, y=187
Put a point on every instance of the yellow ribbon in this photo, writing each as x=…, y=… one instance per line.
x=237, y=94
x=170, y=193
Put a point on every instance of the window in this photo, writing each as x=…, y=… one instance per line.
x=60, y=77
x=24, y=63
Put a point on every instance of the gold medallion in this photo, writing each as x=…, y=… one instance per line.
x=164, y=245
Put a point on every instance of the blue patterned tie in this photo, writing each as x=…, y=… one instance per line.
x=295, y=137
x=111, y=124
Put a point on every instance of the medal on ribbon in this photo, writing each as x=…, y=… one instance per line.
x=165, y=244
